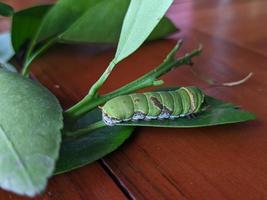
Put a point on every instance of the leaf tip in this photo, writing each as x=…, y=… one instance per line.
x=6, y=10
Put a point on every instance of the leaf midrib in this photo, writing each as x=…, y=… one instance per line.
x=17, y=156
x=130, y=32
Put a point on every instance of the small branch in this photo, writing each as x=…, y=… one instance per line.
x=95, y=87
x=147, y=80
x=28, y=56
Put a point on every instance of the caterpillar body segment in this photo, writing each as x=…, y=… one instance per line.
x=177, y=105
x=153, y=105
x=139, y=108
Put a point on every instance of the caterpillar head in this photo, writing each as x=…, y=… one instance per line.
x=117, y=110
x=109, y=121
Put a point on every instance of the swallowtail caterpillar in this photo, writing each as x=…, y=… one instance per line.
x=153, y=105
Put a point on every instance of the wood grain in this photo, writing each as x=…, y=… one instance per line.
x=223, y=162
x=226, y=162
x=85, y=183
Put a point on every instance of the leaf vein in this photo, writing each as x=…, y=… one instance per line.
x=17, y=156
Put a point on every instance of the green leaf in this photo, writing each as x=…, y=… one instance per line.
x=78, y=151
x=6, y=10
x=8, y=67
x=165, y=27
x=30, y=124
x=6, y=50
x=25, y=24
x=109, y=31
x=217, y=113
x=96, y=21
x=108, y=13
x=91, y=21
x=140, y=20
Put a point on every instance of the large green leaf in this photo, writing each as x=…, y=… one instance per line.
x=216, y=112
x=6, y=10
x=140, y=20
x=30, y=124
x=78, y=151
x=91, y=21
x=25, y=24
x=6, y=50
x=109, y=14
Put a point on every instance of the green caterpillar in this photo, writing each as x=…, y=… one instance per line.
x=153, y=105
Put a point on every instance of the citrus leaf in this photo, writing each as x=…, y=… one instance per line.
x=30, y=124
x=109, y=31
x=216, y=112
x=140, y=20
x=25, y=24
x=90, y=21
x=79, y=151
x=6, y=10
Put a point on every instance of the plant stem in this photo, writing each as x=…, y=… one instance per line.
x=147, y=80
x=31, y=56
x=28, y=57
x=83, y=131
x=95, y=87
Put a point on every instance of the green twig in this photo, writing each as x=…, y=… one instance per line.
x=29, y=57
x=147, y=80
x=95, y=87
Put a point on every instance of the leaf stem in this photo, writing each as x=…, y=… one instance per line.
x=31, y=56
x=95, y=87
x=86, y=130
x=147, y=80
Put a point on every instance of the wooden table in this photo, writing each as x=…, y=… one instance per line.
x=223, y=162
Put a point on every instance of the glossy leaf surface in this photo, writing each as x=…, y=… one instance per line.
x=140, y=20
x=25, y=24
x=6, y=10
x=78, y=151
x=91, y=21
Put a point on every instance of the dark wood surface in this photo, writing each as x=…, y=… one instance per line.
x=223, y=162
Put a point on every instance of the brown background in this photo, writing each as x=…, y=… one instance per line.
x=223, y=162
